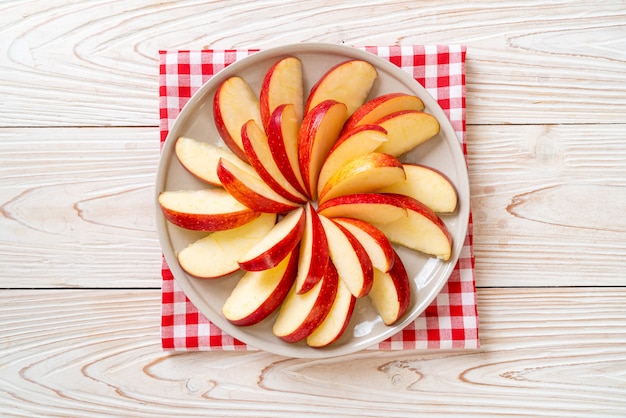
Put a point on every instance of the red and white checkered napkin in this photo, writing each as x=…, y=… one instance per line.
x=451, y=321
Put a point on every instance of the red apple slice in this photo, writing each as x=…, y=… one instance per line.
x=204, y=210
x=391, y=292
x=282, y=138
x=369, y=207
x=300, y=314
x=257, y=149
x=250, y=190
x=282, y=85
x=275, y=246
x=429, y=186
x=337, y=320
x=313, y=252
x=318, y=133
x=201, y=158
x=216, y=255
x=348, y=82
x=233, y=105
x=422, y=230
x=406, y=130
x=381, y=106
x=376, y=244
x=259, y=293
x=360, y=141
x=363, y=174
x=349, y=257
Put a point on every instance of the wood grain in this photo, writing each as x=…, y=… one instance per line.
x=548, y=204
x=78, y=206
x=100, y=355
x=80, y=260
x=95, y=63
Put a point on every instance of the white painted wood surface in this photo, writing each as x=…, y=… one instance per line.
x=79, y=259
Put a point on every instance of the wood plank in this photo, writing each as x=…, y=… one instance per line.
x=547, y=202
x=560, y=352
x=77, y=207
x=96, y=63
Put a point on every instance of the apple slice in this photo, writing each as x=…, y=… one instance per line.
x=318, y=133
x=216, y=255
x=204, y=210
x=357, y=142
x=422, y=230
x=363, y=174
x=381, y=106
x=407, y=129
x=201, y=158
x=391, y=292
x=275, y=246
x=348, y=82
x=349, y=257
x=250, y=190
x=282, y=85
x=259, y=293
x=313, y=252
x=337, y=320
x=376, y=244
x=233, y=105
x=369, y=207
x=282, y=138
x=257, y=149
x=429, y=186
x=300, y=314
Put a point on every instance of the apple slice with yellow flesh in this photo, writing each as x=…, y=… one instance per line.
x=204, y=210
x=349, y=257
x=313, y=252
x=282, y=85
x=391, y=292
x=429, y=186
x=357, y=142
x=422, y=230
x=251, y=190
x=375, y=243
x=234, y=104
x=216, y=255
x=363, y=174
x=337, y=320
x=257, y=149
x=259, y=293
x=348, y=82
x=407, y=129
x=318, y=133
x=275, y=246
x=282, y=138
x=381, y=106
x=201, y=158
x=300, y=314
x=369, y=207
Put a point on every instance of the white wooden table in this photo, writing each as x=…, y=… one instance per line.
x=80, y=261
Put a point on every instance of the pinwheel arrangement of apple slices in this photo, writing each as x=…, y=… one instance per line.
x=308, y=198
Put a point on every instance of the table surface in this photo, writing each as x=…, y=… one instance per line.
x=80, y=260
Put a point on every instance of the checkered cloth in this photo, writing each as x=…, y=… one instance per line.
x=451, y=321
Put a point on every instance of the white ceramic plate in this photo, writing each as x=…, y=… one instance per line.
x=428, y=275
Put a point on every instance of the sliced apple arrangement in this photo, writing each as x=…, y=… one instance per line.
x=309, y=197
